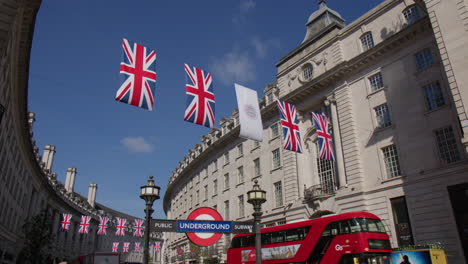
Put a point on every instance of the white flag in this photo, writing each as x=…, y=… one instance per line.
x=249, y=113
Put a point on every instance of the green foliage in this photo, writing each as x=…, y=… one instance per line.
x=38, y=240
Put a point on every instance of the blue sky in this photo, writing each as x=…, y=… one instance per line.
x=74, y=75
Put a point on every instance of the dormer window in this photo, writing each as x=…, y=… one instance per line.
x=307, y=71
x=412, y=14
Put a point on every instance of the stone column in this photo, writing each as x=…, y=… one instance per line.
x=337, y=142
x=70, y=180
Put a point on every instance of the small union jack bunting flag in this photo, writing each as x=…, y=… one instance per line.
x=289, y=122
x=84, y=224
x=115, y=247
x=120, y=226
x=65, y=224
x=138, y=227
x=324, y=136
x=102, y=227
x=138, y=86
x=157, y=246
x=126, y=245
x=137, y=247
x=200, y=98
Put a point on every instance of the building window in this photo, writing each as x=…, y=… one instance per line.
x=392, y=164
x=274, y=130
x=276, y=158
x=2, y=110
x=241, y=205
x=240, y=174
x=191, y=201
x=226, y=158
x=197, y=178
x=205, y=189
x=240, y=150
x=215, y=187
x=447, y=145
x=206, y=173
x=326, y=173
x=226, y=210
x=215, y=165
x=434, y=96
x=402, y=221
x=367, y=41
x=412, y=14
x=424, y=59
x=382, y=115
x=257, y=171
x=278, y=193
x=307, y=71
x=197, y=197
x=376, y=82
x=226, y=181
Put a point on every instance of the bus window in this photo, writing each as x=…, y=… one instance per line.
x=354, y=225
x=296, y=234
x=344, y=227
x=371, y=225
x=277, y=237
x=266, y=238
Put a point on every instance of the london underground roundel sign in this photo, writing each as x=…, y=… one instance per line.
x=206, y=214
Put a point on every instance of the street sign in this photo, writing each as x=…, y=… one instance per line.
x=242, y=227
x=204, y=213
x=163, y=225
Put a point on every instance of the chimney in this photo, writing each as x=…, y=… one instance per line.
x=48, y=156
x=92, y=194
x=31, y=119
x=70, y=181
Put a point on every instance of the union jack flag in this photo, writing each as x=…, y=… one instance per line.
x=120, y=226
x=289, y=122
x=137, y=89
x=138, y=226
x=137, y=247
x=200, y=98
x=65, y=224
x=115, y=247
x=126, y=245
x=84, y=224
x=102, y=227
x=157, y=246
x=324, y=136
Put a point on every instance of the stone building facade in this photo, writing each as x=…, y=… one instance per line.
x=393, y=84
x=28, y=184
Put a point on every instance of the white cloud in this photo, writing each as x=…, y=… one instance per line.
x=263, y=46
x=234, y=66
x=137, y=144
x=247, y=5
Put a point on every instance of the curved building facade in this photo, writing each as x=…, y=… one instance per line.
x=398, y=130
x=28, y=185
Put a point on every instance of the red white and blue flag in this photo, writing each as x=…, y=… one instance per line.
x=102, y=227
x=138, y=87
x=126, y=245
x=115, y=247
x=137, y=247
x=289, y=122
x=200, y=98
x=65, y=224
x=84, y=224
x=138, y=227
x=120, y=226
x=324, y=136
x=157, y=246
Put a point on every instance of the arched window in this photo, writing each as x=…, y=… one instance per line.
x=307, y=71
x=367, y=41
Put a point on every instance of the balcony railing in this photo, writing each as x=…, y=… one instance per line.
x=319, y=191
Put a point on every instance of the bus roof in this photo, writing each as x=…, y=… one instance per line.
x=320, y=221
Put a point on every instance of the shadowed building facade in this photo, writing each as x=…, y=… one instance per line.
x=396, y=108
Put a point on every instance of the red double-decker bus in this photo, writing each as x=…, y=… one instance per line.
x=349, y=238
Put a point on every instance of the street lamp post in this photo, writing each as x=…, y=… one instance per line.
x=256, y=197
x=149, y=193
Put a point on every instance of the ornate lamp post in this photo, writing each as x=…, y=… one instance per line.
x=149, y=193
x=256, y=197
